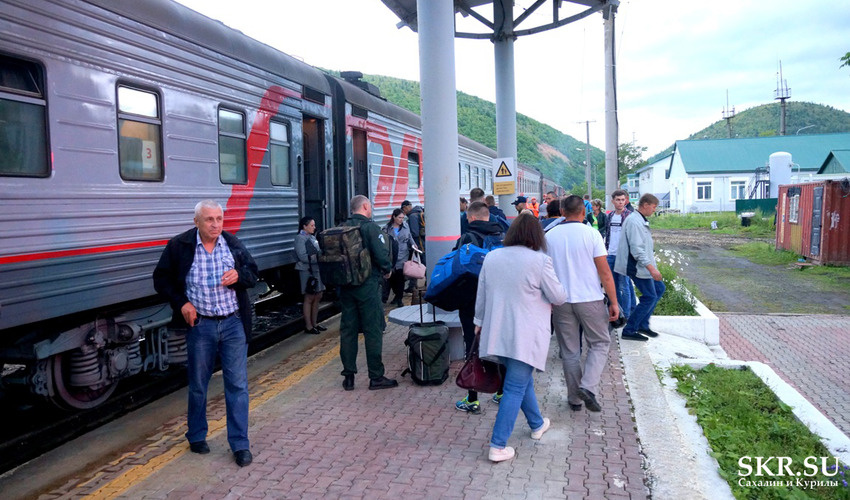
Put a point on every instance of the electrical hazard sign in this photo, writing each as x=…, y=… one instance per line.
x=505, y=182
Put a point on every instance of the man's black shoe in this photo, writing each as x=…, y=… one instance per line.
x=243, y=457
x=589, y=400
x=348, y=383
x=575, y=406
x=200, y=447
x=648, y=333
x=633, y=336
x=382, y=383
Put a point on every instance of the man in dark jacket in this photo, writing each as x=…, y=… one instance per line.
x=480, y=232
x=205, y=274
x=361, y=304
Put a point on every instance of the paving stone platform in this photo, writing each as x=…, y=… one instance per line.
x=311, y=439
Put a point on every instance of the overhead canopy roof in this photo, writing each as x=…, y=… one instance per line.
x=406, y=11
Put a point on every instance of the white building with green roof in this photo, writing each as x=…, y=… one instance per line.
x=710, y=174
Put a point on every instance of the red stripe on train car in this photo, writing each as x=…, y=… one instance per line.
x=12, y=259
x=384, y=190
x=442, y=238
x=258, y=144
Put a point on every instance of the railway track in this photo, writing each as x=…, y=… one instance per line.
x=32, y=429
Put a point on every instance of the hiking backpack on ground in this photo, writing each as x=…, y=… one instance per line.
x=427, y=351
x=344, y=260
x=454, y=282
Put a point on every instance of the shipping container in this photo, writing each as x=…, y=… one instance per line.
x=814, y=221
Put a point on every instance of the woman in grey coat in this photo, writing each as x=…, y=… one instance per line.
x=307, y=254
x=516, y=289
x=402, y=243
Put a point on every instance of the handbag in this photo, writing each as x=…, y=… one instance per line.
x=414, y=268
x=478, y=374
x=312, y=285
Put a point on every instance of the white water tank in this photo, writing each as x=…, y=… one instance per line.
x=780, y=171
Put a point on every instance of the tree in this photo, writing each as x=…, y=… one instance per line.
x=846, y=60
x=630, y=158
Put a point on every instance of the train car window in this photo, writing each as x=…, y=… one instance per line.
x=139, y=135
x=232, y=163
x=464, y=177
x=489, y=180
x=412, y=171
x=279, y=154
x=473, y=177
x=23, y=134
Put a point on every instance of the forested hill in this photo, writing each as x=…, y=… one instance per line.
x=556, y=154
x=763, y=121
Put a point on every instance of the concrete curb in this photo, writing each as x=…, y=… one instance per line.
x=703, y=328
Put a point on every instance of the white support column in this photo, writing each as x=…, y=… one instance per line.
x=506, y=144
x=439, y=126
x=612, y=180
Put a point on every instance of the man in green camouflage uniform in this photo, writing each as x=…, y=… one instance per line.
x=361, y=304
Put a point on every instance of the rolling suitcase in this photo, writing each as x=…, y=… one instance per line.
x=427, y=351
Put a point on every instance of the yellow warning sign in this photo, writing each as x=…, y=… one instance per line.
x=503, y=171
x=500, y=188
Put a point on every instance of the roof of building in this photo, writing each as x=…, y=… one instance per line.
x=664, y=159
x=836, y=162
x=714, y=156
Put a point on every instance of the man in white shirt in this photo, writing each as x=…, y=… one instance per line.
x=578, y=254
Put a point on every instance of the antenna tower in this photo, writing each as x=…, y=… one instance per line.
x=728, y=114
x=783, y=93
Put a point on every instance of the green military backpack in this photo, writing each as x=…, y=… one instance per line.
x=344, y=260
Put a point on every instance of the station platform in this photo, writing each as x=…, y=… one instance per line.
x=312, y=439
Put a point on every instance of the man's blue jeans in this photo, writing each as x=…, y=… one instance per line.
x=625, y=289
x=518, y=395
x=206, y=340
x=651, y=292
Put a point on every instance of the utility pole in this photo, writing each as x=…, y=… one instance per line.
x=783, y=93
x=587, y=156
x=728, y=115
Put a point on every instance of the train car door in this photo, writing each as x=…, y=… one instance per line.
x=314, y=187
x=361, y=164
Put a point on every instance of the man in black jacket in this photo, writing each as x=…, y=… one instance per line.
x=205, y=274
x=481, y=232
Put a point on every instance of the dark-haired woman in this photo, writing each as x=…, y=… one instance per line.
x=402, y=243
x=307, y=255
x=512, y=311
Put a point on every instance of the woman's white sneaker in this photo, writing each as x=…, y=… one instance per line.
x=501, y=454
x=543, y=428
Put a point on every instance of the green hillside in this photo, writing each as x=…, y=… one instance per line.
x=538, y=145
x=763, y=121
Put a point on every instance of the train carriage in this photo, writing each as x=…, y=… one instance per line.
x=117, y=116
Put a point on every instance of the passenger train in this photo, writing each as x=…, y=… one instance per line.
x=116, y=117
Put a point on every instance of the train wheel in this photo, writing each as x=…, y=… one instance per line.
x=67, y=396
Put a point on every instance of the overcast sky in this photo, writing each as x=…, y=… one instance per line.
x=675, y=60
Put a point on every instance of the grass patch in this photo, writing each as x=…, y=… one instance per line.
x=727, y=223
x=765, y=254
x=675, y=301
x=742, y=417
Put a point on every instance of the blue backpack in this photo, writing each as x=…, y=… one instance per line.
x=454, y=282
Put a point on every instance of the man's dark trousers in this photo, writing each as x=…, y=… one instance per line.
x=361, y=312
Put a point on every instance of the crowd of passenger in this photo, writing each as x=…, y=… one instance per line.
x=572, y=265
